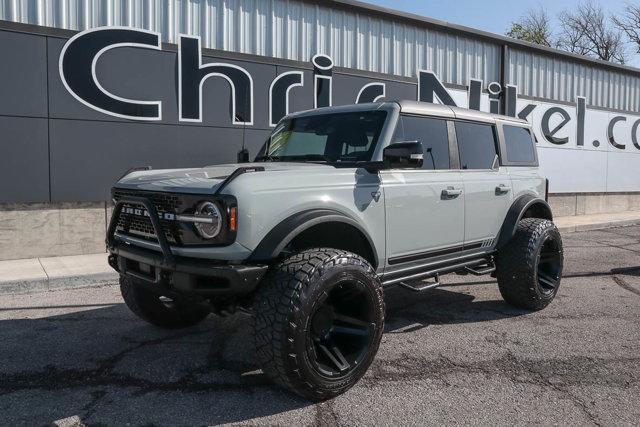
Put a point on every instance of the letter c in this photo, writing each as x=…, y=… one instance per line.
x=77, y=67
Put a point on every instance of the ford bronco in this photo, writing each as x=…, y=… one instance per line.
x=341, y=203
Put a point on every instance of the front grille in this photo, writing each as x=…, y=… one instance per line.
x=141, y=226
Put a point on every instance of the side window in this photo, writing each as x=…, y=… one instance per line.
x=432, y=134
x=519, y=144
x=476, y=145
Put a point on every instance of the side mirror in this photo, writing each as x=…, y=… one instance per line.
x=403, y=155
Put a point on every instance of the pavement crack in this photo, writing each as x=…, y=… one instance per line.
x=624, y=285
x=326, y=414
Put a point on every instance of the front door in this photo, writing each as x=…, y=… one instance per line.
x=424, y=207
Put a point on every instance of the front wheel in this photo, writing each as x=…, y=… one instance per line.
x=529, y=267
x=318, y=321
x=158, y=310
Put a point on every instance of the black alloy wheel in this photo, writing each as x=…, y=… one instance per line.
x=341, y=329
x=318, y=321
x=529, y=266
x=549, y=265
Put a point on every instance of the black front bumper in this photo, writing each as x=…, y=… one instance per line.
x=176, y=275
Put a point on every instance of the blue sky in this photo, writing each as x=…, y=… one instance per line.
x=491, y=15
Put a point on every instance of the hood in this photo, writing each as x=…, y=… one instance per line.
x=199, y=180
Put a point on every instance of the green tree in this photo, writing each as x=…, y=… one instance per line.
x=533, y=27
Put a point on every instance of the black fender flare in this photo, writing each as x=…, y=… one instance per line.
x=283, y=233
x=515, y=214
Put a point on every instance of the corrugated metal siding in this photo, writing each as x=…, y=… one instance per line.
x=296, y=30
x=279, y=28
x=544, y=76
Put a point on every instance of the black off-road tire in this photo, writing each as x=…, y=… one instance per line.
x=148, y=306
x=286, y=309
x=530, y=263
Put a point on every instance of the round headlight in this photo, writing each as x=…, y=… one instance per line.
x=210, y=212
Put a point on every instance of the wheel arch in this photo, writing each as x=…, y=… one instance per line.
x=328, y=227
x=525, y=206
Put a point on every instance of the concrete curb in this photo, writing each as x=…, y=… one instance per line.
x=590, y=227
x=48, y=274
x=83, y=271
x=57, y=283
x=570, y=228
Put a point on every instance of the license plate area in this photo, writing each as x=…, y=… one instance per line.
x=141, y=270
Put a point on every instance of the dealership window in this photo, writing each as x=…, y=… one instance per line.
x=432, y=134
x=519, y=144
x=476, y=145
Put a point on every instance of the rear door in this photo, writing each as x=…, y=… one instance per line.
x=421, y=221
x=487, y=185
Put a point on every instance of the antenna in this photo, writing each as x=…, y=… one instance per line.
x=243, y=154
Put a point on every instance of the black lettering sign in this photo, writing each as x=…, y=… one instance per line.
x=610, y=137
x=192, y=74
x=549, y=134
x=77, y=65
x=279, y=94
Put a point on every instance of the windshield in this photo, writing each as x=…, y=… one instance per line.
x=331, y=138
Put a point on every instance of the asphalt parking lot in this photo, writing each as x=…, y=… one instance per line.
x=455, y=354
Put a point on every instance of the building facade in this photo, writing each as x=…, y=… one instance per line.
x=91, y=88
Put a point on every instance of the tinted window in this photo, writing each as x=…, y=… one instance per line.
x=476, y=145
x=519, y=144
x=432, y=134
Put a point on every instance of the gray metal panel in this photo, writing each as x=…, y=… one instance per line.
x=23, y=77
x=87, y=157
x=356, y=35
x=287, y=29
x=540, y=75
x=24, y=160
x=346, y=88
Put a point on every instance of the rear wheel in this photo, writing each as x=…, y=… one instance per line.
x=529, y=267
x=318, y=321
x=159, y=310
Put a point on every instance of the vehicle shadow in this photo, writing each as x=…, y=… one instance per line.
x=108, y=367
x=408, y=311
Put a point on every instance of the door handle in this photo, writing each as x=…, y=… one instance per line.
x=502, y=189
x=451, y=193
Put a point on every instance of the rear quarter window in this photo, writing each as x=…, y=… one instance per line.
x=519, y=144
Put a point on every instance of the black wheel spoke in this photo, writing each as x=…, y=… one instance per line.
x=350, y=331
x=351, y=321
x=335, y=356
x=547, y=281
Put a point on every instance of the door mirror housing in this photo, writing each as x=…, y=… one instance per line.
x=403, y=155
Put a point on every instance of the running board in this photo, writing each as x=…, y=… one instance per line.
x=414, y=286
x=490, y=268
x=434, y=272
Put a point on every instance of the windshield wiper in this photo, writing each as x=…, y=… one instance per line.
x=267, y=158
x=309, y=157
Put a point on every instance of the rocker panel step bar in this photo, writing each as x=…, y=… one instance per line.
x=434, y=272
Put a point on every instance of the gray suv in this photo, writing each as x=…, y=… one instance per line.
x=340, y=204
